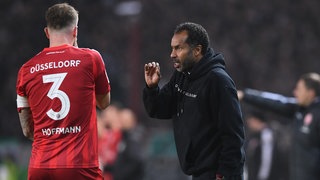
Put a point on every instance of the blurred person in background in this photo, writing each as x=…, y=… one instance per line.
x=121, y=154
x=130, y=162
x=110, y=135
x=201, y=98
x=264, y=159
x=58, y=91
x=304, y=110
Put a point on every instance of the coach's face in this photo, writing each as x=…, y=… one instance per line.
x=183, y=55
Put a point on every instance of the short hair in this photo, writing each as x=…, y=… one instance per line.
x=312, y=81
x=197, y=35
x=60, y=16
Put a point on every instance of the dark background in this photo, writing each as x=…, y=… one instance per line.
x=267, y=44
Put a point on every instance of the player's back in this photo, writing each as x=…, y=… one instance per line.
x=60, y=85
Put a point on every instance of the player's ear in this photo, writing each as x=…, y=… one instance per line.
x=46, y=31
x=75, y=31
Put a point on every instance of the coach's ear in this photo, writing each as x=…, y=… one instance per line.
x=46, y=31
x=197, y=52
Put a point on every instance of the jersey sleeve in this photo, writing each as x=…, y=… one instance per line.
x=19, y=86
x=101, y=77
x=22, y=100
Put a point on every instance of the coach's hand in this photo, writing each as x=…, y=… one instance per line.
x=152, y=74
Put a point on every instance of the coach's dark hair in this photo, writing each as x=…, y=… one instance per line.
x=312, y=81
x=197, y=35
x=61, y=15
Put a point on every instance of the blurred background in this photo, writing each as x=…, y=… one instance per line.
x=267, y=45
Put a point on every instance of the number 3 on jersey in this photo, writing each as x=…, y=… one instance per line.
x=54, y=92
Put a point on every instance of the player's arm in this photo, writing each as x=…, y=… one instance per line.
x=26, y=122
x=103, y=101
x=102, y=83
x=25, y=116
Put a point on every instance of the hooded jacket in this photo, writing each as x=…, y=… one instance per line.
x=207, y=119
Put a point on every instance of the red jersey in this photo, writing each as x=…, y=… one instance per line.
x=60, y=84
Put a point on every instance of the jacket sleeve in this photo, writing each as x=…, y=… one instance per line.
x=159, y=103
x=230, y=127
x=273, y=102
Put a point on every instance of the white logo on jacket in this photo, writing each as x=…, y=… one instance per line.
x=184, y=92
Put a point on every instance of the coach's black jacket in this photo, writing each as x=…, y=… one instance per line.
x=207, y=120
x=305, y=150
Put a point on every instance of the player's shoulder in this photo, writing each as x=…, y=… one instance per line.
x=90, y=51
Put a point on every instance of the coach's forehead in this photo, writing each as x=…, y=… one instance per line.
x=179, y=38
